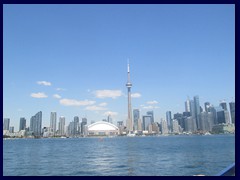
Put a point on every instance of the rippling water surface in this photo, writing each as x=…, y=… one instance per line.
x=125, y=156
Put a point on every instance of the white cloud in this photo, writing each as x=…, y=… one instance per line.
x=45, y=83
x=108, y=93
x=73, y=102
x=39, y=95
x=136, y=95
x=150, y=107
x=152, y=102
x=57, y=96
x=103, y=104
x=60, y=89
x=95, y=108
x=19, y=109
x=110, y=113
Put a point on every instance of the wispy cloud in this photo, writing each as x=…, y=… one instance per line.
x=108, y=93
x=152, y=102
x=136, y=95
x=39, y=95
x=95, y=108
x=57, y=96
x=110, y=113
x=73, y=102
x=150, y=107
x=103, y=104
x=60, y=89
x=45, y=83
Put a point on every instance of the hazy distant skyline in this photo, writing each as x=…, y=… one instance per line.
x=72, y=59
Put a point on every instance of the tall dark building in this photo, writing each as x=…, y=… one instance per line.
x=232, y=111
x=6, y=123
x=206, y=106
x=76, y=126
x=180, y=119
x=221, y=117
x=150, y=113
x=197, y=109
x=36, y=124
x=146, y=121
x=22, y=124
x=136, y=116
x=224, y=105
x=84, y=122
x=169, y=119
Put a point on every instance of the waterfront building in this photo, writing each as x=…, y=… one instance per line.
x=197, y=110
x=186, y=114
x=83, y=123
x=223, y=104
x=146, y=121
x=164, y=129
x=76, y=126
x=150, y=113
x=227, y=117
x=223, y=128
x=203, y=121
x=192, y=109
x=136, y=116
x=210, y=121
x=220, y=117
x=22, y=124
x=180, y=119
x=36, y=124
x=213, y=110
x=169, y=120
x=206, y=106
x=175, y=127
x=6, y=123
x=190, y=124
x=102, y=128
x=61, y=126
x=53, y=122
x=109, y=119
x=155, y=128
x=187, y=106
x=232, y=111
x=129, y=85
x=11, y=129
x=139, y=124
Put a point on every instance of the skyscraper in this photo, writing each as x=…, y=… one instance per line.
x=61, y=126
x=136, y=116
x=232, y=111
x=83, y=124
x=169, y=119
x=224, y=105
x=150, y=113
x=6, y=123
x=76, y=127
x=22, y=124
x=129, y=85
x=53, y=122
x=187, y=106
x=36, y=124
x=146, y=121
x=206, y=106
x=197, y=109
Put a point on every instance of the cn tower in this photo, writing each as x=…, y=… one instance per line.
x=129, y=85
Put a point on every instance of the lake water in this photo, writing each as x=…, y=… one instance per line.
x=120, y=156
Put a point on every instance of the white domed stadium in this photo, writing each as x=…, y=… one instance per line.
x=102, y=128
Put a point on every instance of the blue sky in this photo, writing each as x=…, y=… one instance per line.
x=72, y=59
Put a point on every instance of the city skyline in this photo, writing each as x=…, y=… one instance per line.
x=75, y=65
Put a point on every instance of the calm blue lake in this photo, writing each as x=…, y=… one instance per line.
x=120, y=156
